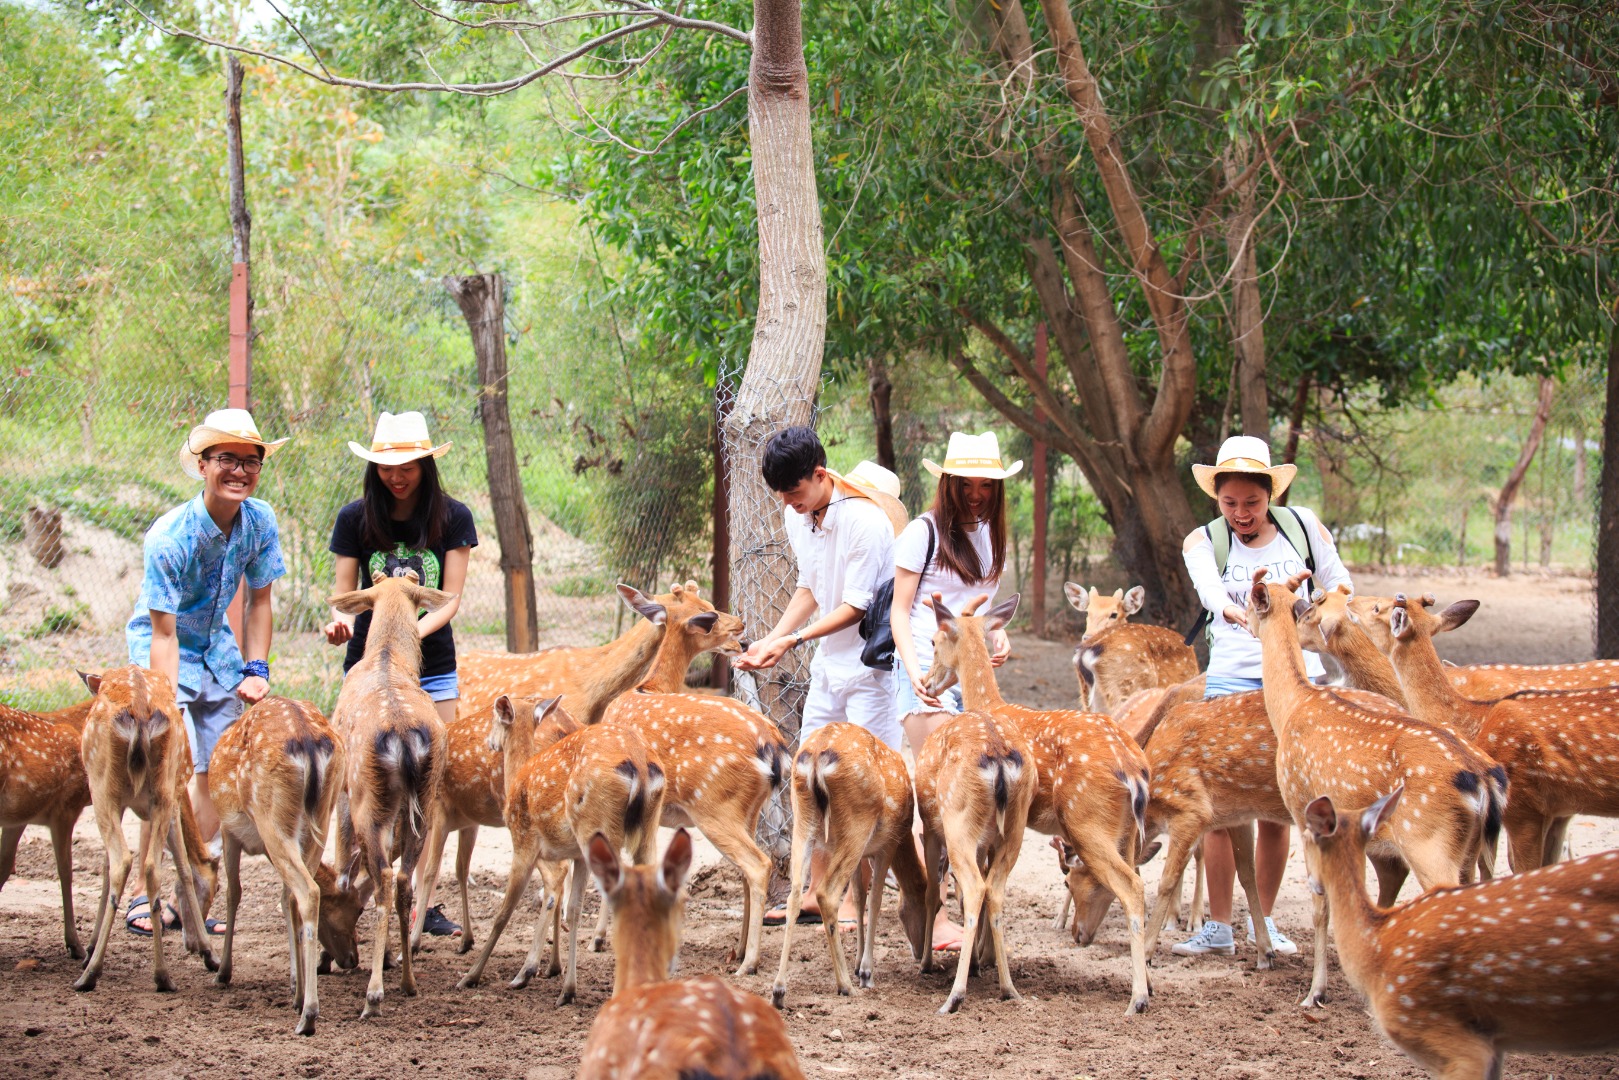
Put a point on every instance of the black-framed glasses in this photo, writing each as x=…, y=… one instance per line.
x=230, y=463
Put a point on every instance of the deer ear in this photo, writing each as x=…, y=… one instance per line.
x=603, y=863
x=1001, y=614
x=1455, y=615
x=542, y=709
x=505, y=713
x=1078, y=598
x=703, y=622
x=1321, y=818
x=947, y=621
x=93, y=682
x=1373, y=817
x=1400, y=624
x=352, y=603
x=1134, y=599
x=1259, y=597
x=651, y=610
x=345, y=880
x=676, y=861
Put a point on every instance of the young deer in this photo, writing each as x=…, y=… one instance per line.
x=586, y=679
x=275, y=778
x=852, y=798
x=683, y=1030
x=1116, y=658
x=42, y=782
x=1090, y=779
x=1329, y=743
x=598, y=780
x=1328, y=627
x=394, y=761
x=1457, y=1000
x=136, y=757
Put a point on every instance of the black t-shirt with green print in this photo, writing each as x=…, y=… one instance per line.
x=348, y=538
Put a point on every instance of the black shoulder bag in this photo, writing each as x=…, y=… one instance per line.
x=876, y=627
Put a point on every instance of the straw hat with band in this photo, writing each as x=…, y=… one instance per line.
x=973, y=455
x=1245, y=454
x=222, y=426
x=868, y=480
x=400, y=437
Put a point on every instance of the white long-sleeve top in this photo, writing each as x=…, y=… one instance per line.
x=1233, y=651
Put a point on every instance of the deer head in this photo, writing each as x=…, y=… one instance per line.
x=953, y=630
x=1343, y=837
x=1102, y=612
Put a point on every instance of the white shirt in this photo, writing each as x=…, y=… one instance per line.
x=910, y=549
x=842, y=562
x=1233, y=651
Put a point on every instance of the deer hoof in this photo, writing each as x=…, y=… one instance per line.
x=75, y=950
x=1137, y=1005
x=522, y=978
x=209, y=960
x=164, y=984
x=465, y=944
x=952, y=1003
x=1313, y=1000
x=222, y=978
x=373, y=1005
x=85, y=982
x=778, y=996
x=566, y=997
x=306, y=1023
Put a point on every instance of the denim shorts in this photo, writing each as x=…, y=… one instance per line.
x=446, y=687
x=907, y=702
x=208, y=711
x=1221, y=685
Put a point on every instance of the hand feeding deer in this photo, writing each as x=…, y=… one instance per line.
x=1091, y=779
x=682, y=1030
x=1456, y=999
x=1116, y=658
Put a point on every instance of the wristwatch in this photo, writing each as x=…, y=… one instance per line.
x=798, y=639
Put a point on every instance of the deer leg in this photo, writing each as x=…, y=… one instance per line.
x=803, y=840
x=1391, y=874
x=1556, y=837
x=733, y=841
x=409, y=856
x=302, y=899
x=551, y=898
x=10, y=837
x=465, y=841
x=115, y=872
x=523, y=860
x=1200, y=881
x=1183, y=839
x=598, y=940
x=378, y=847
x=232, y=866
x=843, y=862
x=432, y=860
x=1317, y=996
x=62, y=848
x=933, y=900
x=1118, y=877
x=970, y=887
x=577, y=897
x=194, y=927
x=865, y=972
x=161, y=823
x=994, y=902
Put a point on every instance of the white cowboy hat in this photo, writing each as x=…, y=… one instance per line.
x=399, y=438
x=872, y=475
x=1245, y=454
x=222, y=426
x=973, y=455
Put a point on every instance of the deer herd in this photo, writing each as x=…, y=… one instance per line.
x=583, y=753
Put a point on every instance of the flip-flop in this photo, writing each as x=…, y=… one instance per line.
x=778, y=917
x=171, y=918
x=846, y=925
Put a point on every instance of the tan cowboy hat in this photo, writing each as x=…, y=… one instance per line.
x=400, y=437
x=1245, y=454
x=222, y=426
x=871, y=481
x=872, y=475
x=973, y=455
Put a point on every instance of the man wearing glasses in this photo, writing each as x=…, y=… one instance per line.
x=195, y=556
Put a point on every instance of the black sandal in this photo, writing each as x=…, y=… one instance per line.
x=171, y=918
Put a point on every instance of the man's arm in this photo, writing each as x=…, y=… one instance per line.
x=768, y=650
x=258, y=623
x=165, y=657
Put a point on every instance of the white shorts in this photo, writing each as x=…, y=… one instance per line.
x=864, y=697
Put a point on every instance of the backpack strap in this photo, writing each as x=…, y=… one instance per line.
x=1292, y=526
x=932, y=536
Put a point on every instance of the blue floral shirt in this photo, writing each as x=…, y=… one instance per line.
x=191, y=571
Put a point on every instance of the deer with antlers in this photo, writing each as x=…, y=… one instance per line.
x=1117, y=658
x=1354, y=751
x=1090, y=779
x=852, y=797
x=656, y=1030
x=1538, y=978
x=137, y=758
x=42, y=782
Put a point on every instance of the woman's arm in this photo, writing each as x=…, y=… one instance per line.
x=341, y=628
x=454, y=580
x=1198, y=551
x=899, y=622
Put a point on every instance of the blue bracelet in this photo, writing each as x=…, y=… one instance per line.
x=260, y=668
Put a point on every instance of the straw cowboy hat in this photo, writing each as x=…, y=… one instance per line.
x=400, y=437
x=869, y=480
x=973, y=455
x=1245, y=454
x=872, y=475
x=222, y=426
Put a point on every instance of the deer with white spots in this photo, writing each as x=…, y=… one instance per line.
x=1458, y=978
x=276, y=776
x=393, y=759
x=1559, y=748
x=1116, y=658
x=1355, y=747
x=136, y=756
x=42, y=782
x=1090, y=779
x=852, y=798
x=599, y=779
x=683, y=1030
x=586, y=678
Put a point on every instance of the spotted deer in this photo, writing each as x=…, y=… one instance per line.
x=1326, y=627
x=1090, y=779
x=393, y=759
x=275, y=778
x=599, y=779
x=682, y=1030
x=1116, y=658
x=852, y=799
x=1330, y=743
x=586, y=679
x=1556, y=747
x=137, y=758
x=1458, y=978
x=42, y=782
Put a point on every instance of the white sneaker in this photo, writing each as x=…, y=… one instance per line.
x=1279, y=941
x=1214, y=937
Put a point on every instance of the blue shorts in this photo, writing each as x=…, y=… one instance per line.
x=208, y=711
x=1221, y=685
x=446, y=687
x=907, y=702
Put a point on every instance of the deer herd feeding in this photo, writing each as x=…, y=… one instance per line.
x=582, y=754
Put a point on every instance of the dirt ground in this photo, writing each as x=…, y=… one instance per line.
x=1209, y=1018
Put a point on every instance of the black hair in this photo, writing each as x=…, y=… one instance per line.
x=791, y=456
x=1262, y=479
x=429, y=517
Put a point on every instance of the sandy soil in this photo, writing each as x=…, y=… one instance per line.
x=1209, y=1018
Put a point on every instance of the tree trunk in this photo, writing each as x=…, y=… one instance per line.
x=1509, y=490
x=784, y=364
x=482, y=301
x=1607, y=568
x=882, y=412
x=241, y=235
x=1247, y=309
x=719, y=672
x=1295, y=427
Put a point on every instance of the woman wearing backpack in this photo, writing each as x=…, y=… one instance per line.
x=1221, y=557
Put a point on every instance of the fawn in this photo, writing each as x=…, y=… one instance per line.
x=394, y=759
x=42, y=782
x=136, y=757
x=1459, y=977
x=1329, y=743
x=599, y=779
x=276, y=777
x=1090, y=779
x=852, y=797
x=683, y=1030
x=1115, y=658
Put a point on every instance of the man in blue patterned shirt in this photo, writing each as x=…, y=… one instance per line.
x=195, y=556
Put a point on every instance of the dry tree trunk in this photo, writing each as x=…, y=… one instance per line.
x=882, y=411
x=1607, y=568
x=1509, y=490
x=1247, y=308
